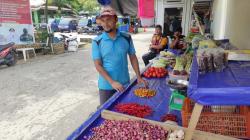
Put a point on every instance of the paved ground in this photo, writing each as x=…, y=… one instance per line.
x=48, y=97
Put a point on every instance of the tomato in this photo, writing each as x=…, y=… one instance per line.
x=150, y=74
x=161, y=70
x=154, y=75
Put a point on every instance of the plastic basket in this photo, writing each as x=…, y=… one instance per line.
x=235, y=124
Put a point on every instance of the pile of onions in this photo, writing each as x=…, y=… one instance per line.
x=127, y=130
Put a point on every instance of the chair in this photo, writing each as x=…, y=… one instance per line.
x=25, y=52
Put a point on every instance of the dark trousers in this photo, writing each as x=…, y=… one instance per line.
x=105, y=95
x=148, y=56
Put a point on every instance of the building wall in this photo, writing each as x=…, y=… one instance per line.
x=231, y=19
x=238, y=23
x=159, y=12
x=218, y=17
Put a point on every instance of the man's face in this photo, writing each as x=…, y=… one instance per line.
x=157, y=31
x=108, y=22
x=177, y=33
x=98, y=21
x=25, y=31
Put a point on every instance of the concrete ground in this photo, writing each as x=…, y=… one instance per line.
x=48, y=97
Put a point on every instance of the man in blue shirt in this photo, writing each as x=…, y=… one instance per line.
x=109, y=52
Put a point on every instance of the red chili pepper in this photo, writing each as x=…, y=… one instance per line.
x=169, y=117
x=134, y=109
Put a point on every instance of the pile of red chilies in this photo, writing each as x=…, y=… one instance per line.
x=134, y=109
x=169, y=117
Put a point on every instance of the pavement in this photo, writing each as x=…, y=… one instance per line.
x=48, y=97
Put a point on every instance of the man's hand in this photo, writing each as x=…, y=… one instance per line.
x=117, y=86
x=142, y=81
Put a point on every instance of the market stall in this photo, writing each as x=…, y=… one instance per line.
x=159, y=100
x=194, y=94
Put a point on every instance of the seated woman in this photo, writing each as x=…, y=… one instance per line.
x=158, y=43
x=178, y=40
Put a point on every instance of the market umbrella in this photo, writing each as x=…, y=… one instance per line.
x=123, y=7
x=36, y=4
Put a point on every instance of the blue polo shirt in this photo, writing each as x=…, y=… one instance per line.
x=113, y=54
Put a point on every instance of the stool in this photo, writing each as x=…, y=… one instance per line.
x=26, y=50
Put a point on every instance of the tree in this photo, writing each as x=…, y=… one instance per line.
x=60, y=4
x=46, y=11
x=91, y=6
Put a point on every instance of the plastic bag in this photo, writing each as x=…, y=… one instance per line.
x=202, y=61
x=207, y=44
x=210, y=62
x=218, y=58
x=228, y=46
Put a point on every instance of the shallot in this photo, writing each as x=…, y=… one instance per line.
x=127, y=130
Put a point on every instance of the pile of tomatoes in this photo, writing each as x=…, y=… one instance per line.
x=154, y=72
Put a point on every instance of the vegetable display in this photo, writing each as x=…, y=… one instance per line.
x=196, y=40
x=154, y=72
x=143, y=92
x=169, y=117
x=134, y=109
x=183, y=64
x=160, y=63
x=177, y=135
x=167, y=54
x=127, y=130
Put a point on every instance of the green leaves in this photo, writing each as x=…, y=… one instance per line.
x=91, y=6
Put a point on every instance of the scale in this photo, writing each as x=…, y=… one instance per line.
x=176, y=100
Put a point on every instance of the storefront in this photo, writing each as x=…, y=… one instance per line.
x=166, y=10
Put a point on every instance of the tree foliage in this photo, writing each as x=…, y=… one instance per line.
x=91, y=6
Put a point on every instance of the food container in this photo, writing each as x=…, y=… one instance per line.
x=177, y=77
x=178, y=84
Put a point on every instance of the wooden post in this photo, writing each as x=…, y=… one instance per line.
x=193, y=121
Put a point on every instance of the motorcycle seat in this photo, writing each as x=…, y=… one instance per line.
x=2, y=47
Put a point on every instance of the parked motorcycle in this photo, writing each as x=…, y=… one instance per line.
x=8, y=55
x=70, y=43
x=95, y=30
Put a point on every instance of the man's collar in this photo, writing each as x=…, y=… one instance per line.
x=158, y=34
x=106, y=35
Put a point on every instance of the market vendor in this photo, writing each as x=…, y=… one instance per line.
x=109, y=52
x=158, y=43
x=178, y=40
x=99, y=23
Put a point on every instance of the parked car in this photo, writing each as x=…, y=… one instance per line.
x=82, y=25
x=67, y=24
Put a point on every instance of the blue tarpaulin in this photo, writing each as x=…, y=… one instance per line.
x=230, y=87
x=158, y=103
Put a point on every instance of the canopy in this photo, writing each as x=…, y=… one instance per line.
x=123, y=7
x=36, y=4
